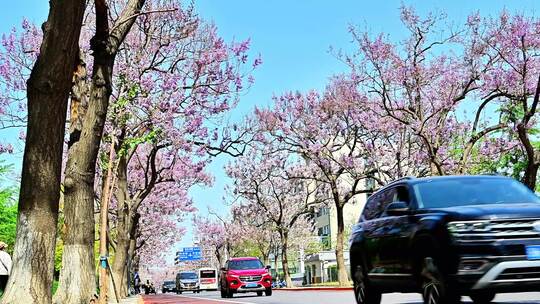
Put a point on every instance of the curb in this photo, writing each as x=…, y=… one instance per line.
x=315, y=289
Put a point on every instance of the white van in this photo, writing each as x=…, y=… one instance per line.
x=208, y=279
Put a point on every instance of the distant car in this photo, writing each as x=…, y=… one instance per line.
x=168, y=286
x=187, y=281
x=446, y=237
x=241, y=275
x=208, y=279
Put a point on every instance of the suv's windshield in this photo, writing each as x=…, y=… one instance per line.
x=168, y=282
x=188, y=276
x=472, y=191
x=245, y=264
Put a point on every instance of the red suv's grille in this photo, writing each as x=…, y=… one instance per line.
x=254, y=278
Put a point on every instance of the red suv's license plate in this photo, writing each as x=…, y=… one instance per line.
x=251, y=285
x=533, y=252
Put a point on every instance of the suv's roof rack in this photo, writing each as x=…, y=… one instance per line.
x=401, y=179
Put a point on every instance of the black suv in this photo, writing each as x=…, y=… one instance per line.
x=446, y=237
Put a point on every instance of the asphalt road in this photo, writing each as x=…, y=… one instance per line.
x=317, y=297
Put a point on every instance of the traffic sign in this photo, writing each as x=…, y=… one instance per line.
x=189, y=254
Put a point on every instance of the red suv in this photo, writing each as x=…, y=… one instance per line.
x=242, y=275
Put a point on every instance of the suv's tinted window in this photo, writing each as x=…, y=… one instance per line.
x=377, y=203
x=401, y=194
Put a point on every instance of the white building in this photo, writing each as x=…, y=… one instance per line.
x=322, y=266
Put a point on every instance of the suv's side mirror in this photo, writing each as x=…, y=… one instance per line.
x=397, y=208
x=267, y=267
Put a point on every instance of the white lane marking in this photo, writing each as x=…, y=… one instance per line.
x=216, y=300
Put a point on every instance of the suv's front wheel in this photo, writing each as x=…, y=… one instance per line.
x=482, y=297
x=363, y=293
x=435, y=287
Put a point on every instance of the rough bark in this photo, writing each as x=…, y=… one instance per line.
x=533, y=154
x=284, y=259
x=48, y=92
x=83, y=152
x=276, y=265
x=120, y=265
x=123, y=228
x=533, y=158
x=265, y=258
x=131, y=256
x=343, y=278
x=77, y=283
x=125, y=252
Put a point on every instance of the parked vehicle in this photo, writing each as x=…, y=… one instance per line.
x=279, y=284
x=241, y=275
x=208, y=279
x=446, y=237
x=168, y=286
x=187, y=281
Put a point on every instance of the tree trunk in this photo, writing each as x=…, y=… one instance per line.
x=123, y=228
x=120, y=264
x=129, y=264
x=124, y=285
x=533, y=157
x=47, y=92
x=276, y=265
x=266, y=259
x=77, y=283
x=343, y=278
x=284, y=259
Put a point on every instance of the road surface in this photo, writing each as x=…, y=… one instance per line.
x=317, y=297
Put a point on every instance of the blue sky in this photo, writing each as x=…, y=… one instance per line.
x=293, y=37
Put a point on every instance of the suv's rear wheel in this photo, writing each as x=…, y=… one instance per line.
x=435, y=287
x=363, y=293
x=482, y=297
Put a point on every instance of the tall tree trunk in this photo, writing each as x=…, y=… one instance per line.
x=124, y=285
x=276, y=258
x=284, y=259
x=77, y=283
x=82, y=156
x=120, y=264
x=125, y=252
x=123, y=228
x=266, y=258
x=343, y=278
x=48, y=90
x=533, y=157
x=129, y=264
